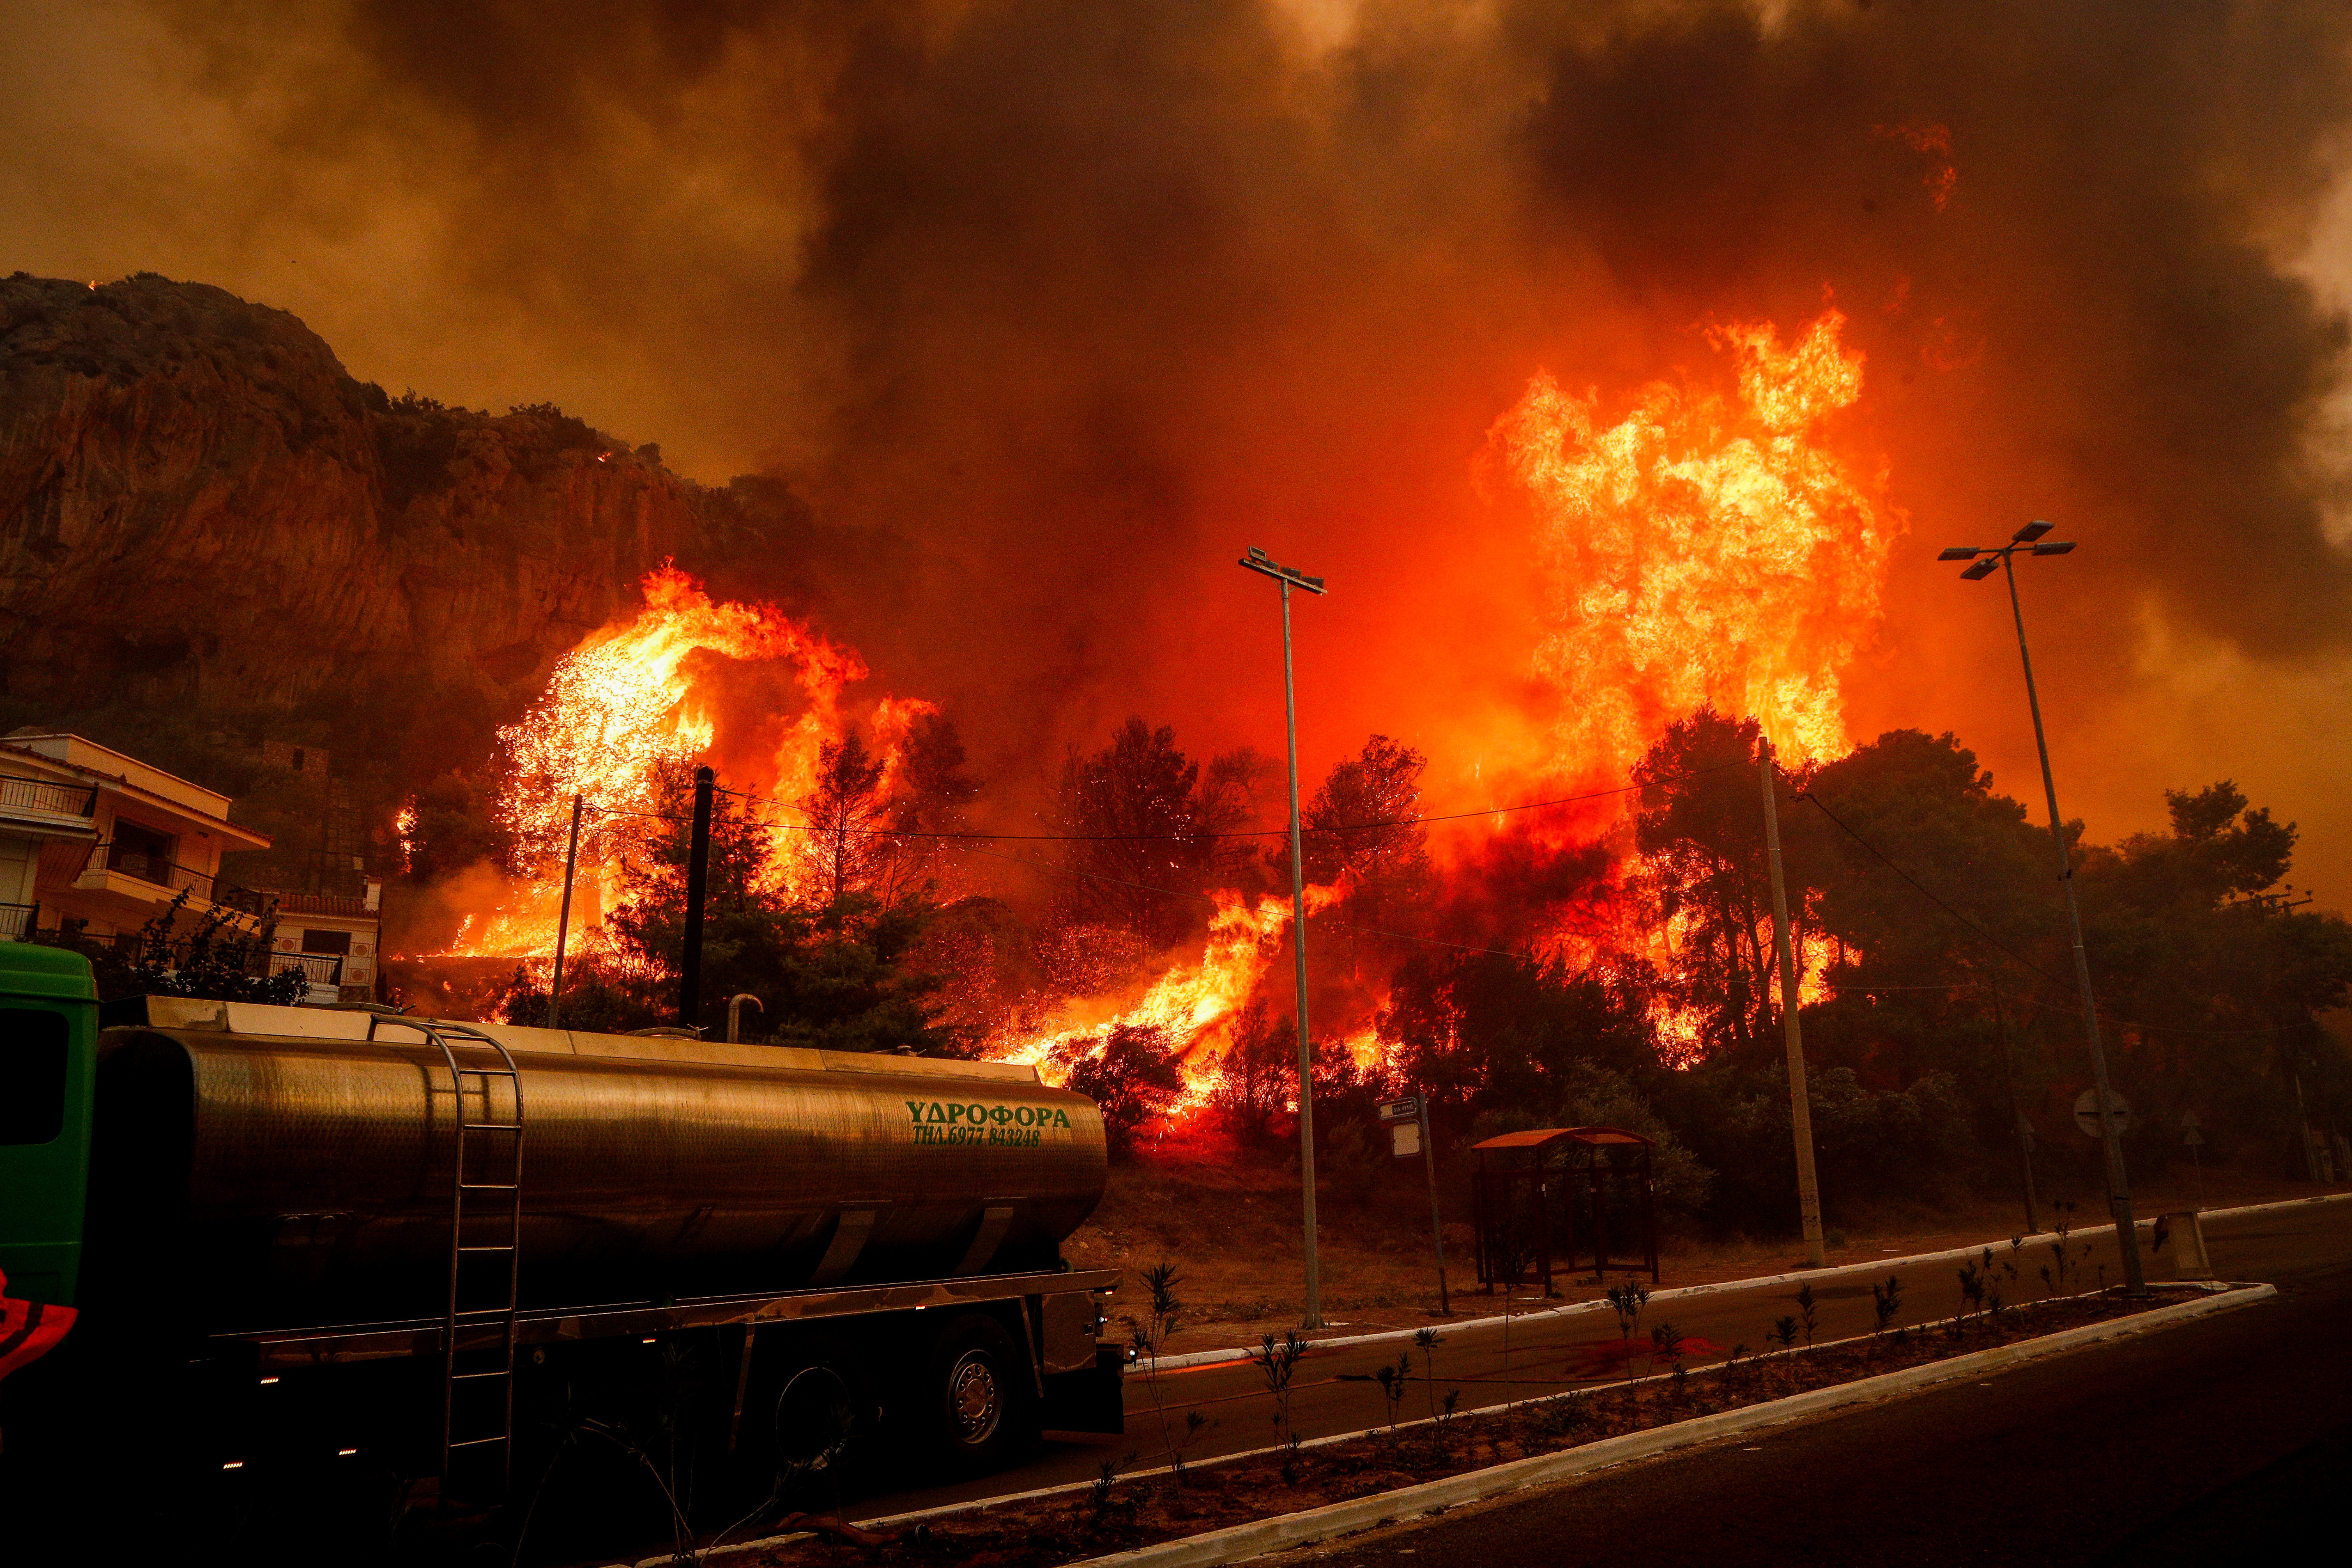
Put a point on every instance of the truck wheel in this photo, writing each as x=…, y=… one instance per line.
x=981, y=1405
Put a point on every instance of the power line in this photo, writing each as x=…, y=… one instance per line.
x=975, y=840
x=1234, y=833
x=1994, y=943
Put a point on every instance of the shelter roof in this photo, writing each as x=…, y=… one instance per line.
x=1538, y=1137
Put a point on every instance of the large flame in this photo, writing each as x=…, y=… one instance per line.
x=1702, y=549
x=1707, y=547
x=624, y=707
x=1192, y=1001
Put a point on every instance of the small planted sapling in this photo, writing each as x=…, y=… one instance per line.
x=1426, y=1341
x=1806, y=1308
x=1972, y=1287
x=1666, y=1345
x=1098, y=1493
x=1146, y=1338
x=1392, y=1380
x=1783, y=1333
x=1627, y=1300
x=1275, y=1364
x=2062, y=1225
x=1885, y=1301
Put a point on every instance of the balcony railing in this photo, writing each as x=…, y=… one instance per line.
x=17, y=921
x=319, y=968
x=173, y=876
x=22, y=793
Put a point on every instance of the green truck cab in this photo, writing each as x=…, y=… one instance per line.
x=48, y=1057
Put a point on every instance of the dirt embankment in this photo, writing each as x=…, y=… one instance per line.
x=1231, y=1226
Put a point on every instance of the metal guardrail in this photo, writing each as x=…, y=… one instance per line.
x=17, y=921
x=48, y=795
x=319, y=968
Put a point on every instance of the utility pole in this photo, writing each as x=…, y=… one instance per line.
x=1437, y=1218
x=2029, y=539
x=1801, y=1110
x=563, y=919
x=2286, y=904
x=1289, y=578
x=698, y=872
x=2016, y=1112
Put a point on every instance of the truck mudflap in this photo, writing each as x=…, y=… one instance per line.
x=1087, y=1403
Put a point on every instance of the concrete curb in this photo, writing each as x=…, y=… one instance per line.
x=1676, y=1292
x=1239, y=1541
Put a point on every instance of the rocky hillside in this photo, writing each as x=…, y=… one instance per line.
x=201, y=510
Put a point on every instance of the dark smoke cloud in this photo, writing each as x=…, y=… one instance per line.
x=1080, y=296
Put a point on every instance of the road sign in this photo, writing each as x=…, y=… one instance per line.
x=2087, y=1113
x=1405, y=1139
x=1405, y=1110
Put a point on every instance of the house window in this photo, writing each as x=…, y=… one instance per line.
x=334, y=942
x=142, y=852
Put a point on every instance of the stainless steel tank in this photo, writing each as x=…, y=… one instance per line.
x=303, y=1178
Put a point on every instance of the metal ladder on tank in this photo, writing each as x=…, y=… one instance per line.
x=500, y=1203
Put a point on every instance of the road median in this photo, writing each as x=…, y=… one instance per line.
x=1381, y=1475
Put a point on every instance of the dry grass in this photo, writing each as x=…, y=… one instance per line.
x=1232, y=1226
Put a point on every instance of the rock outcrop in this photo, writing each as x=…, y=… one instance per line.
x=199, y=508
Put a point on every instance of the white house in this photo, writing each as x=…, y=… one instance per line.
x=334, y=941
x=90, y=834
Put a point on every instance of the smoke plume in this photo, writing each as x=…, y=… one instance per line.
x=1078, y=298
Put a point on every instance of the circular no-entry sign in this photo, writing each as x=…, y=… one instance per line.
x=2087, y=1113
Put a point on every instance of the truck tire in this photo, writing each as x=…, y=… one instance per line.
x=977, y=1398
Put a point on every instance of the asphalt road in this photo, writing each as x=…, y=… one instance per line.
x=2225, y=1440
x=1333, y=1391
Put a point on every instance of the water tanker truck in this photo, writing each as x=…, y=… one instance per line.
x=296, y=1237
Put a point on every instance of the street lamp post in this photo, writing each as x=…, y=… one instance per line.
x=1288, y=578
x=563, y=918
x=1982, y=563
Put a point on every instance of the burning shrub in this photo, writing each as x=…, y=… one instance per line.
x=1256, y=1078
x=1132, y=1078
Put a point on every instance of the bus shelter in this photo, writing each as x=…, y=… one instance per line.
x=1563, y=1200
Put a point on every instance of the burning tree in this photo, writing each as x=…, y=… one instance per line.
x=1142, y=819
x=1702, y=846
x=1364, y=826
x=1131, y=1074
